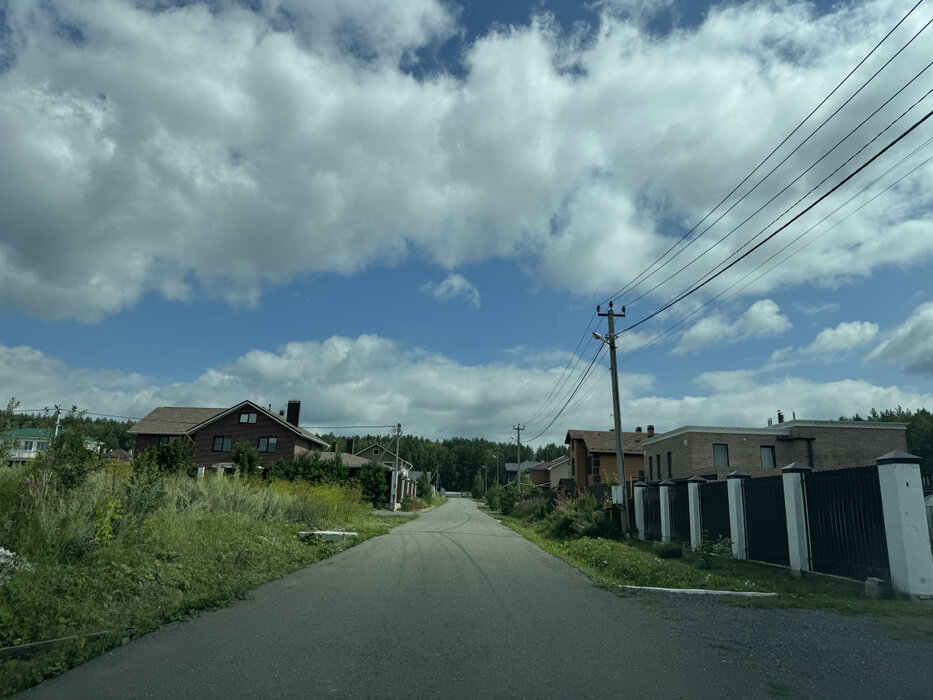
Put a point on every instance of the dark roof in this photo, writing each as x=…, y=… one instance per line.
x=181, y=420
x=546, y=466
x=605, y=440
x=173, y=420
x=347, y=459
x=401, y=460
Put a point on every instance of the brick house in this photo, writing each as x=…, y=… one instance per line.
x=593, y=455
x=404, y=485
x=714, y=452
x=214, y=432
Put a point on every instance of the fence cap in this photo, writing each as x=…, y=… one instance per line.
x=696, y=479
x=640, y=483
x=668, y=482
x=897, y=457
x=738, y=475
x=797, y=467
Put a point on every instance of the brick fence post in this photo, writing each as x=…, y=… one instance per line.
x=797, y=528
x=696, y=522
x=640, y=487
x=905, y=525
x=737, y=514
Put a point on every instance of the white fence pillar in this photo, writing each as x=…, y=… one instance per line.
x=905, y=524
x=666, y=487
x=640, y=487
x=737, y=514
x=696, y=523
x=797, y=533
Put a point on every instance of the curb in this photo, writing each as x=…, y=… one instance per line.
x=701, y=591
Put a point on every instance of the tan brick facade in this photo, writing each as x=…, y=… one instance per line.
x=820, y=444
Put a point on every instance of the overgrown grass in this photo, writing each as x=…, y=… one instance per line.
x=629, y=562
x=209, y=543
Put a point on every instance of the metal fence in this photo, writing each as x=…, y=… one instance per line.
x=714, y=510
x=652, y=502
x=846, y=523
x=680, y=513
x=766, y=520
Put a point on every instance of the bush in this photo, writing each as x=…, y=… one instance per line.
x=577, y=517
x=668, y=550
x=424, y=488
x=309, y=467
x=145, y=491
x=494, y=497
x=246, y=458
x=531, y=509
x=69, y=460
x=410, y=504
x=373, y=481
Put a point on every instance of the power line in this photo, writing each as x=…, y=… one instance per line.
x=831, y=191
x=766, y=158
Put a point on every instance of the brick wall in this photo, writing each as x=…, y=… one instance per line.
x=835, y=445
x=288, y=444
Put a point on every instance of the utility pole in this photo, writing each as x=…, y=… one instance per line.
x=617, y=416
x=58, y=418
x=518, y=466
x=393, y=490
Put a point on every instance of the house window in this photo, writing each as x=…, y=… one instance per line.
x=41, y=446
x=650, y=468
x=720, y=455
x=375, y=452
x=247, y=417
x=166, y=439
x=767, y=456
x=221, y=443
x=596, y=468
x=573, y=466
x=267, y=444
x=28, y=445
x=589, y=465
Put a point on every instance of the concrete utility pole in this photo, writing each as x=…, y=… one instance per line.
x=393, y=491
x=617, y=416
x=58, y=418
x=518, y=466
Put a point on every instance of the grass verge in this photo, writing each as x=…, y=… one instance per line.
x=613, y=563
x=209, y=544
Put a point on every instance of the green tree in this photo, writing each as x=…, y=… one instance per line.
x=69, y=459
x=246, y=458
x=175, y=457
x=311, y=468
x=479, y=489
x=424, y=487
x=373, y=481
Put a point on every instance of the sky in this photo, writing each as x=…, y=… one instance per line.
x=409, y=212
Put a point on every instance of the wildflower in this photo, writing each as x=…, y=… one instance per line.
x=41, y=483
x=28, y=482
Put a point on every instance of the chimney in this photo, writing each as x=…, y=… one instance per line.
x=350, y=442
x=638, y=429
x=780, y=416
x=294, y=410
x=650, y=431
x=282, y=412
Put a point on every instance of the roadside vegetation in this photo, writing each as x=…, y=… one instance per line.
x=581, y=532
x=93, y=553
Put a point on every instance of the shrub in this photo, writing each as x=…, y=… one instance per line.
x=494, y=497
x=373, y=482
x=145, y=491
x=668, y=550
x=309, y=467
x=424, y=487
x=246, y=458
x=576, y=517
x=410, y=504
x=69, y=460
x=531, y=509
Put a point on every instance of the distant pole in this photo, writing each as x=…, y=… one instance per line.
x=617, y=416
x=518, y=466
x=394, y=490
x=58, y=418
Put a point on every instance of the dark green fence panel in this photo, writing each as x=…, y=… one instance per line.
x=680, y=513
x=652, y=513
x=765, y=520
x=714, y=510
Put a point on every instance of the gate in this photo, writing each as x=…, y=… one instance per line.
x=846, y=523
x=652, y=503
x=680, y=513
x=766, y=520
x=714, y=510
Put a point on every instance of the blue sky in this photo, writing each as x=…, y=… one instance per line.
x=407, y=212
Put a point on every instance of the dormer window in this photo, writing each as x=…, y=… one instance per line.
x=247, y=417
x=375, y=451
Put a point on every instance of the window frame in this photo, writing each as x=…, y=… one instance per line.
x=724, y=449
x=670, y=466
x=271, y=443
x=247, y=418
x=226, y=443
x=167, y=439
x=768, y=449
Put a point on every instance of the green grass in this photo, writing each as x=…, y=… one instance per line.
x=209, y=544
x=614, y=563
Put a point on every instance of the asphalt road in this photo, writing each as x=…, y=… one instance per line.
x=453, y=605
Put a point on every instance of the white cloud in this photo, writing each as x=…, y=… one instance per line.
x=454, y=285
x=762, y=319
x=911, y=343
x=205, y=152
x=372, y=380
x=828, y=345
